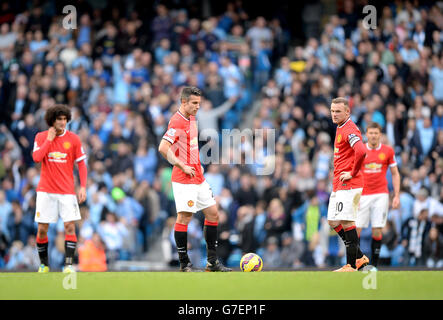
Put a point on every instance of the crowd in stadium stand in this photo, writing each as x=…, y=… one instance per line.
x=121, y=75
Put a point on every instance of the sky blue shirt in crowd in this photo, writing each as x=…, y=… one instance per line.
x=216, y=181
x=409, y=55
x=36, y=45
x=426, y=139
x=121, y=86
x=5, y=211
x=84, y=36
x=145, y=166
x=436, y=77
x=232, y=79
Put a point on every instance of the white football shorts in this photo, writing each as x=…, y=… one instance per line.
x=192, y=197
x=344, y=204
x=49, y=206
x=374, y=208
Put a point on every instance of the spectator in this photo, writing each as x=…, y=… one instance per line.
x=5, y=212
x=208, y=118
x=161, y=24
x=224, y=247
x=275, y=221
x=57, y=251
x=114, y=234
x=271, y=254
x=436, y=77
x=215, y=179
x=92, y=256
x=291, y=252
x=145, y=162
x=433, y=249
x=390, y=251
x=258, y=33
x=244, y=225
x=246, y=194
x=414, y=233
x=20, y=225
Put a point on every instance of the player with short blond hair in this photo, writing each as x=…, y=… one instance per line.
x=349, y=153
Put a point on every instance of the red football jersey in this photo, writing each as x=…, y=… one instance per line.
x=183, y=134
x=374, y=168
x=57, y=170
x=345, y=138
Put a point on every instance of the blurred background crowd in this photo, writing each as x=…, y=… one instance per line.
x=121, y=68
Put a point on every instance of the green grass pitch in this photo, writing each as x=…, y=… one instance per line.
x=270, y=285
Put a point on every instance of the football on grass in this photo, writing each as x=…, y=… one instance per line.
x=251, y=262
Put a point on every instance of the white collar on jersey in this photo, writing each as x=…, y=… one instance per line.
x=64, y=132
x=369, y=148
x=344, y=123
x=178, y=111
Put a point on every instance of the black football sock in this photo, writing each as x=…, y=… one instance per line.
x=351, y=245
x=210, y=233
x=341, y=232
x=181, y=241
x=375, y=248
x=42, y=248
x=70, y=245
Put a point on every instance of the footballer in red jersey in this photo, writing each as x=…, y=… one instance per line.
x=191, y=191
x=58, y=150
x=349, y=153
x=374, y=203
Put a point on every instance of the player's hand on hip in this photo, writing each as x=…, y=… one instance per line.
x=395, y=202
x=189, y=171
x=345, y=175
x=82, y=195
x=52, y=132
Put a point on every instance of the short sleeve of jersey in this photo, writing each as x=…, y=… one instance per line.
x=352, y=137
x=38, y=141
x=171, y=134
x=79, y=152
x=392, y=162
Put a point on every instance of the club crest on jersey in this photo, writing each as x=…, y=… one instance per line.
x=382, y=156
x=66, y=145
x=171, y=132
x=38, y=214
x=339, y=138
x=190, y=203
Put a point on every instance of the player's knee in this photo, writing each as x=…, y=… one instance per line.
x=184, y=218
x=69, y=228
x=333, y=224
x=376, y=232
x=211, y=213
x=41, y=233
x=42, y=230
x=213, y=216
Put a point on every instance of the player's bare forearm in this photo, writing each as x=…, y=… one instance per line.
x=82, y=195
x=165, y=150
x=360, y=154
x=83, y=172
x=396, y=180
x=396, y=184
